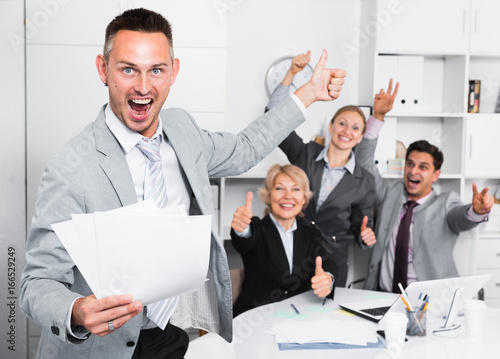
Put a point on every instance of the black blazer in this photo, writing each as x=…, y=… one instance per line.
x=267, y=273
x=341, y=214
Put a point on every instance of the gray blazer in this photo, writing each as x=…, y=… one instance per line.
x=436, y=224
x=91, y=174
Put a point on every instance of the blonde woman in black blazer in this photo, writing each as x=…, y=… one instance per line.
x=283, y=255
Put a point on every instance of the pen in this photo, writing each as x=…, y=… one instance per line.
x=424, y=301
x=403, y=293
x=419, y=301
x=324, y=301
x=408, y=305
x=423, y=310
x=404, y=301
x=294, y=308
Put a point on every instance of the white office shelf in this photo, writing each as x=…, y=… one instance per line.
x=386, y=52
x=428, y=114
x=434, y=66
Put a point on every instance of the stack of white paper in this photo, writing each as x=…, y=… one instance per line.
x=150, y=253
x=324, y=331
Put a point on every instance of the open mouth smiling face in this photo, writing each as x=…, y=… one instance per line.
x=420, y=174
x=139, y=74
x=287, y=199
x=347, y=130
x=139, y=108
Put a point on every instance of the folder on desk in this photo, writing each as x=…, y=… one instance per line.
x=325, y=334
x=317, y=346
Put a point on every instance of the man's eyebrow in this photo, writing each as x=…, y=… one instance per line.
x=160, y=64
x=131, y=64
x=127, y=63
x=420, y=163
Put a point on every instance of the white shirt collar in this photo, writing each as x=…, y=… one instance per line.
x=125, y=136
x=349, y=166
x=278, y=224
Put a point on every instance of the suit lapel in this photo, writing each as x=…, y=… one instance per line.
x=112, y=161
x=419, y=221
x=277, y=243
x=346, y=184
x=316, y=176
x=395, y=215
x=299, y=249
x=187, y=157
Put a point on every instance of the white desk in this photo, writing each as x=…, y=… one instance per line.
x=251, y=342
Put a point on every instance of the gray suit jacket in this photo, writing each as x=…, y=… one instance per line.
x=436, y=224
x=91, y=174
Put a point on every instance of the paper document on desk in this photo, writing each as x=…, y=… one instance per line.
x=325, y=331
x=141, y=250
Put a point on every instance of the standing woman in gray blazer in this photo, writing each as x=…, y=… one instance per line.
x=344, y=192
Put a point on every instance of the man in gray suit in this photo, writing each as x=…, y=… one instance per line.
x=102, y=169
x=436, y=221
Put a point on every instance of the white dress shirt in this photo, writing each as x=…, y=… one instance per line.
x=178, y=189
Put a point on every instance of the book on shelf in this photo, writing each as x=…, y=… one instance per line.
x=474, y=92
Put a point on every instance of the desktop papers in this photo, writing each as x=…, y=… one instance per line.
x=150, y=253
x=324, y=331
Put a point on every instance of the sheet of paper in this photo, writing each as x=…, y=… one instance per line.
x=81, y=247
x=141, y=250
x=151, y=257
x=79, y=251
x=324, y=330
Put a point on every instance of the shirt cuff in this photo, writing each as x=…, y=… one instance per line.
x=79, y=332
x=373, y=127
x=299, y=103
x=333, y=280
x=474, y=217
x=247, y=233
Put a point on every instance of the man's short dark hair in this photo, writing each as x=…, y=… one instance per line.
x=424, y=146
x=141, y=20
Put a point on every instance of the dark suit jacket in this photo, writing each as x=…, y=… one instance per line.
x=342, y=212
x=267, y=273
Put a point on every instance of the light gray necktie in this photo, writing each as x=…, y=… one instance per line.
x=154, y=187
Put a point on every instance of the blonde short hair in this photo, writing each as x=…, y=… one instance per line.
x=295, y=173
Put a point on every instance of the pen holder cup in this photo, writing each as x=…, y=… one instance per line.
x=417, y=320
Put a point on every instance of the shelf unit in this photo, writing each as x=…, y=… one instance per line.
x=434, y=64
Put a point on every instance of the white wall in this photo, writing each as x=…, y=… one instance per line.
x=260, y=31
